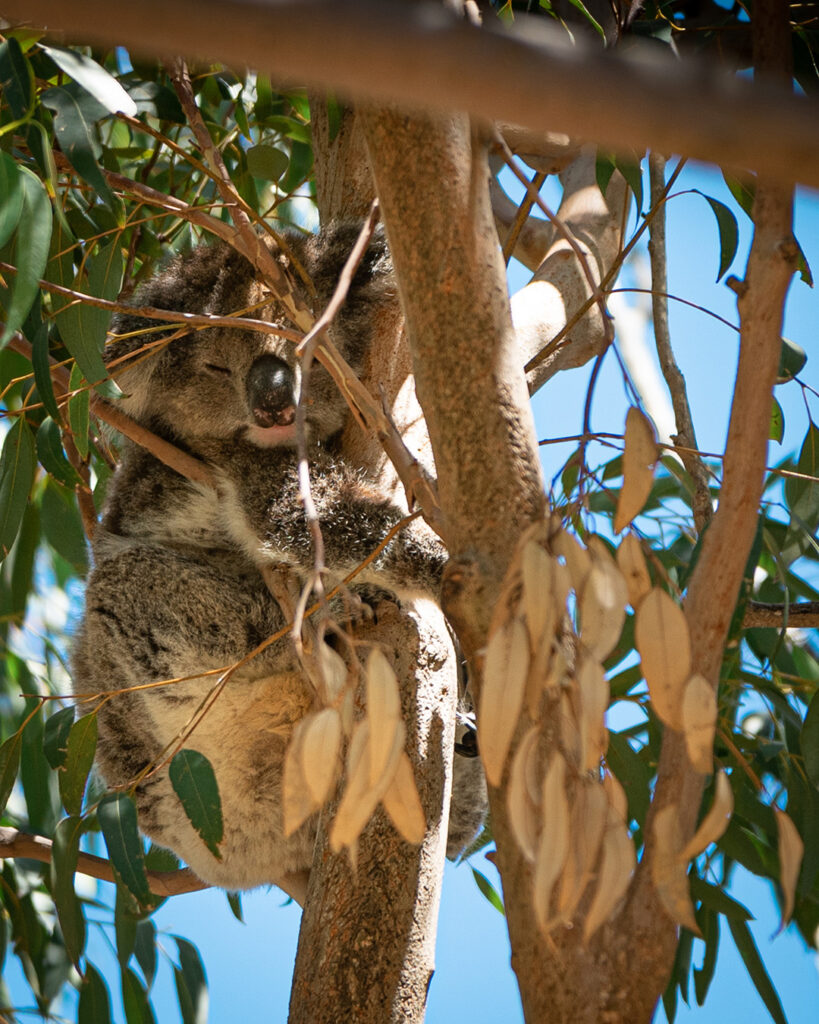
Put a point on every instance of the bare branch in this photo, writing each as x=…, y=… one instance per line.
x=531, y=75
x=662, y=337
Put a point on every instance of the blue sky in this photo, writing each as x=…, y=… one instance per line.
x=249, y=966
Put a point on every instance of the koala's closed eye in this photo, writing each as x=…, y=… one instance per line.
x=216, y=370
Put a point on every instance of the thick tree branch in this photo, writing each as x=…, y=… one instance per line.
x=764, y=615
x=423, y=55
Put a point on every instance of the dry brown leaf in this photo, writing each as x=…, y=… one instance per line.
x=576, y=556
x=383, y=712
x=567, y=716
x=791, y=850
x=715, y=821
x=602, y=610
x=639, y=458
x=699, y=722
x=297, y=801
x=504, y=685
x=320, y=746
x=594, y=701
x=360, y=798
x=617, y=863
x=333, y=671
x=616, y=795
x=553, y=844
x=587, y=824
x=539, y=605
x=522, y=801
x=661, y=636
x=669, y=869
x=632, y=565
x=402, y=803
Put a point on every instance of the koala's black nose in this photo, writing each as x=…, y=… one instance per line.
x=270, y=392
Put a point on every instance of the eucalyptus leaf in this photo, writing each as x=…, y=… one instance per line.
x=30, y=252
x=94, y=1005
x=76, y=112
x=64, y=853
x=194, y=782
x=191, y=984
x=73, y=773
x=118, y=820
x=105, y=89
x=756, y=969
x=17, y=467
x=11, y=197
x=9, y=764
x=55, y=736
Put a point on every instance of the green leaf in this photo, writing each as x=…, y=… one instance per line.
x=195, y=784
x=728, y=232
x=79, y=410
x=756, y=969
x=135, y=1000
x=743, y=191
x=76, y=112
x=803, y=266
x=9, y=764
x=604, y=168
x=55, y=736
x=73, y=774
x=776, y=430
x=94, y=1005
x=51, y=455
x=802, y=496
x=126, y=918
x=17, y=468
x=716, y=899
x=18, y=570
x=709, y=926
x=235, y=903
x=64, y=853
x=105, y=89
x=30, y=252
x=62, y=526
x=592, y=21
x=488, y=891
x=191, y=984
x=16, y=84
x=809, y=741
x=791, y=361
x=42, y=377
x=83, y=327
x=632, y=172
x=118, y=820
x=266, y=162
x=11, y=197
x=145, y=950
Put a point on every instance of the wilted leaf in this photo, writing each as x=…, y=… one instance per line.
x=383, y=712
x=117, y=817
x=699, y=722
x=402, y=803
x=632, y=565
x=715, y=821
x=791, y=849
x=594, y=701
x=669, y=869
x=334, y=672
x=639, y=459
x=616, y=796
x=194, y=782
x=589, y=814
x=602, y=604
x=577, y=558
x=539, y=603
x=320, y=749
x=661, y=636
x=553, y=845
x=297, y=800
x=522, y=796
x=568, y=715
x=73, y=773
x=617, y=864
x=504, y=685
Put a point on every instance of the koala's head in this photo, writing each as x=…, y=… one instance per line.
x=231, y=384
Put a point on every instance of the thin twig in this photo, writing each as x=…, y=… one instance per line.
x=522, y=214
x=674, y=379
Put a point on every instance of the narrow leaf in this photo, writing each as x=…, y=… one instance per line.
x=64, y=852
x=94, y=79
x=662, y=639
x=791, y=850
x=809, y=740
x=383, y=712
x=145, y=950
x=79, y=410
x=9, y=765
x=191, y=984
x=194, y=782
x=17, y=467
x=639, y=459
x=632, y=565
x=699, y=722
x=135, y=999
x=30, y=252
x=728, y=233
x=320, y=749
x=715, y=822
x=776, y=430
x=55, y=736
x=76, y=112
x=11, y=197
x=51, y=455
x=488, y=891
x=94, y=1005
x=73, y=774
x=402, y=803
x=756, y=969
x=504, y=686
x=117, y=817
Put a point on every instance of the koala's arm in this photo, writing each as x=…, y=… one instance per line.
x=353, y=516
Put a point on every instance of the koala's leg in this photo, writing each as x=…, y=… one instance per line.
x=155, y=615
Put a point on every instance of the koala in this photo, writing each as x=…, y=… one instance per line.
x=176, y=590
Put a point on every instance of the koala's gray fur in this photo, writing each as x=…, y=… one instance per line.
x=176, y=589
